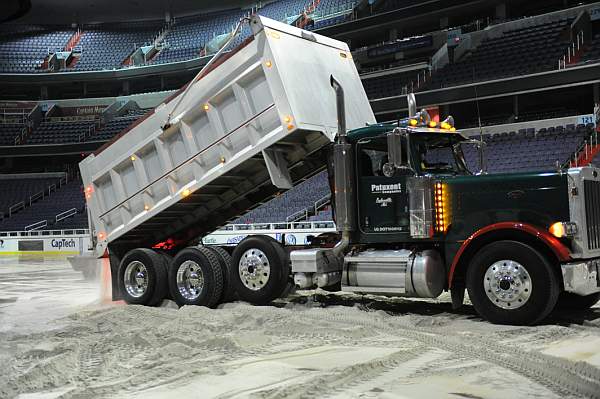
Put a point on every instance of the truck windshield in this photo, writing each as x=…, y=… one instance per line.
x=440, y=154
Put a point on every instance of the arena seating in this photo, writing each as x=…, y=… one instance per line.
x=49, y=132
x=389, y=85
x=23, y=48
x=322, y=215
x=593, y=53
x=69, y=196
x=106, y=47
x=188, y=35
x=518, y=52
x=8, y=132
x=295, y=200
x=524, y=150
x=19, y=190
x=116, y=125
x=332, y=12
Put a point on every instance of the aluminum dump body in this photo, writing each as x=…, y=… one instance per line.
x=254, y=125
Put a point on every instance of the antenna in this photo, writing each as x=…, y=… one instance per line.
x=481, y=143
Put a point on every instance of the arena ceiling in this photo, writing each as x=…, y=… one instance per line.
x=89, y=11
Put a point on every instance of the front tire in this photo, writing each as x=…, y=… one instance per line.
x=260, y=271
x=510, y=282
x=570, y=301
x=143, y=277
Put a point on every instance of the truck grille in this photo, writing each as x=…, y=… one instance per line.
x=592, y=213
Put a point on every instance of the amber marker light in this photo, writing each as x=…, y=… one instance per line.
x=132, y=158
x=146, y=207
x=101, y=236
x=440, y=218
x=558, y=230
x=413, y=122
x=205, y=107
x=432, y=123
x=268, y=64
x=185, y=192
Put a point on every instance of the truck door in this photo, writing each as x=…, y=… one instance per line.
x=382, y=196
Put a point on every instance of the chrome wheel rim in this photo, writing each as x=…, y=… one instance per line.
x=254, y=269
x=190, y=280
x=507, y=284
x=136, y=279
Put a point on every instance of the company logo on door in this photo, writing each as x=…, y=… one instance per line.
x=383, y=202
x=62, y=243
x=386, y=188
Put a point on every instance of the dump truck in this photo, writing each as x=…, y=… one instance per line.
x=412, y=220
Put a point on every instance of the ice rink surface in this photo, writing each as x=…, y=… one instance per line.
x=61, y=338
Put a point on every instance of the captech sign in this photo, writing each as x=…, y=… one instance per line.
x=63, y=243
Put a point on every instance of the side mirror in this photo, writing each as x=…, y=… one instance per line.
x=398, y=158
x=480, y=144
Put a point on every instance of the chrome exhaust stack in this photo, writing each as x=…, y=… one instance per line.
x=343, y=157
x=322, y=267
x=412, y=105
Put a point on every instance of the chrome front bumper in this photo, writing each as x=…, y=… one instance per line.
x=582, y=278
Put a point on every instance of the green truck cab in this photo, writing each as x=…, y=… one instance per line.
x=414, y=221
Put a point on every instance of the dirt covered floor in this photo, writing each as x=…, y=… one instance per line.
x=61, y=338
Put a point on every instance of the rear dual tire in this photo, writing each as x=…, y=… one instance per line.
x=143, y=277
x=196, y=278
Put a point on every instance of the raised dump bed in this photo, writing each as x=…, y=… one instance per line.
x=253, y=125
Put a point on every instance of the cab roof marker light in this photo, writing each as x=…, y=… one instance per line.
x=449, y=122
